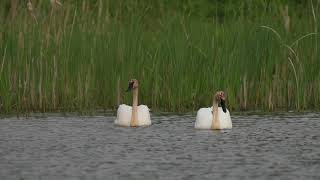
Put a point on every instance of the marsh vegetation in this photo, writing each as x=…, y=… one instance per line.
x=79, y=55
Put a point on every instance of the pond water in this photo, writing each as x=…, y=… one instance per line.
x=272, y=146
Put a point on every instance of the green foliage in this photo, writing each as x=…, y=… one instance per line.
x=71, y=58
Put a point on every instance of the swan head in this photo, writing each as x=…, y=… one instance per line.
x=221, y=100
x=133, y=84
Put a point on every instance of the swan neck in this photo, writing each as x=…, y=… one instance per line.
x=215, y=116
x=134, y=116
x=135, y=98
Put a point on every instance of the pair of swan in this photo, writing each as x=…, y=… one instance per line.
x=214, y=117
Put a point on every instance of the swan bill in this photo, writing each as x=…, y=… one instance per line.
x=223, y=105
x=130, y=87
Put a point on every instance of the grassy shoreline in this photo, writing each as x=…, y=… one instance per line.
x=74, y=58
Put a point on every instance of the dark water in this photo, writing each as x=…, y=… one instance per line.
x=277, y=146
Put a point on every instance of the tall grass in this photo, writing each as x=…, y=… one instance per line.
x=79, y=57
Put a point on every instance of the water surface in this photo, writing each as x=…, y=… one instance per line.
x=274, y=146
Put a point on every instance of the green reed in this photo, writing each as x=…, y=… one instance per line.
x=79, y=57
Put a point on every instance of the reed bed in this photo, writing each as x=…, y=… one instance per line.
x=78, y=56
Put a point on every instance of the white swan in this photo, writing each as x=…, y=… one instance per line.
x=135, y=115
x=214, y=117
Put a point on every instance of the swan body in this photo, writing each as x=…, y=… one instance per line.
x=135, y=115
x=214, y=117
x=124, y=114
x=205, y=116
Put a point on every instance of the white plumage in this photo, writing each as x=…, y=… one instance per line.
x=134, y=115
x=124, y=115
x=214, y=117
x=205, y=116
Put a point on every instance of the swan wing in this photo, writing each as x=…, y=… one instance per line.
x=123, y=115
x=144, y=116
x=225, y=119
x=204, y=118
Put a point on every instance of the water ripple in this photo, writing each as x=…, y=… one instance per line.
x=272, y=146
